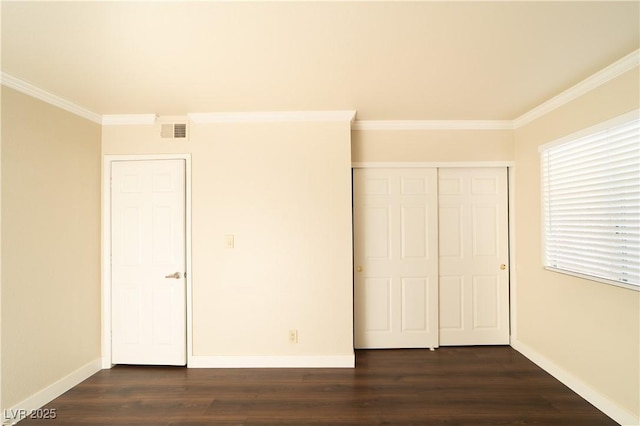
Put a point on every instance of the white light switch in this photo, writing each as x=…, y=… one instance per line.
x=228, y=241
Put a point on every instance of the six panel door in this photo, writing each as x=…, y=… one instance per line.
x=148, y=262
x=474, y=254
x=396, y=263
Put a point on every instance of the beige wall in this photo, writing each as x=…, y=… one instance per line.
x=284, y=191
x=50, y=245
x=432, y=145
x=589, y=329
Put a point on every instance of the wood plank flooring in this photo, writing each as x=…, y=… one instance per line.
x=451, y=386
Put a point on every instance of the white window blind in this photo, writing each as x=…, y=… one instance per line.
x=591, y=205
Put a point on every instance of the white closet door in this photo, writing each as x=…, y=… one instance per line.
x=473, y=251
x=396, y=258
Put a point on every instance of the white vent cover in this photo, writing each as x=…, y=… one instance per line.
x=174, y=131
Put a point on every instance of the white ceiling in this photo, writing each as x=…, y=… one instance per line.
x=386, y=60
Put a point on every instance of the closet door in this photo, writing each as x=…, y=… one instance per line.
x=474, y=256
x=396, y=258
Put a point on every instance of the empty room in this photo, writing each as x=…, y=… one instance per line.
x=320, y=212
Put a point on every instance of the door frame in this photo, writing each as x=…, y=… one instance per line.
x=510, y=166
x=106, y=246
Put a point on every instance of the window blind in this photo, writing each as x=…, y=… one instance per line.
x=591, y=205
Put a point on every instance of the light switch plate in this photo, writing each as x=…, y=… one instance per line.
x=228, y=241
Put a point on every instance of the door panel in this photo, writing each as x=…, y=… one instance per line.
x=377, y=231
x=376, y=296
x=413, y=229
x=485, y=302
x=395, y=227
x=148, y=243
x=415, y=302
x=451, y=297
x=473, y=229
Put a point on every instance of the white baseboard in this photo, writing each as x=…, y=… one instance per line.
x=313, y=361
x=594, y=397
x=19, y=411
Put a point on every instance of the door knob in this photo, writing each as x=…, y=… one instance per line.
x=503, y=267
x=358, y=268
x=175, y=275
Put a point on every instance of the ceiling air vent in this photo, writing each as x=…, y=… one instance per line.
x=174, y=131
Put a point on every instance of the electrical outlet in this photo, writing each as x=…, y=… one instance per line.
x=293, y=336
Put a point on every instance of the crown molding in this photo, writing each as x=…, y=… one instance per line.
x=29, y=89
x=128, y=119
x=432, y=125
x=619, y=67
x=267, y=117
x=614, y=70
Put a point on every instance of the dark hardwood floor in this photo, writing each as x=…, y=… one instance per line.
x=451, y=386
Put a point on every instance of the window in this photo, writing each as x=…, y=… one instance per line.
x=591, y=202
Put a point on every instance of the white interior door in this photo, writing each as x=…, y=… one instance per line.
x=473, y=250
x=148, y=287
x=396, y=258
